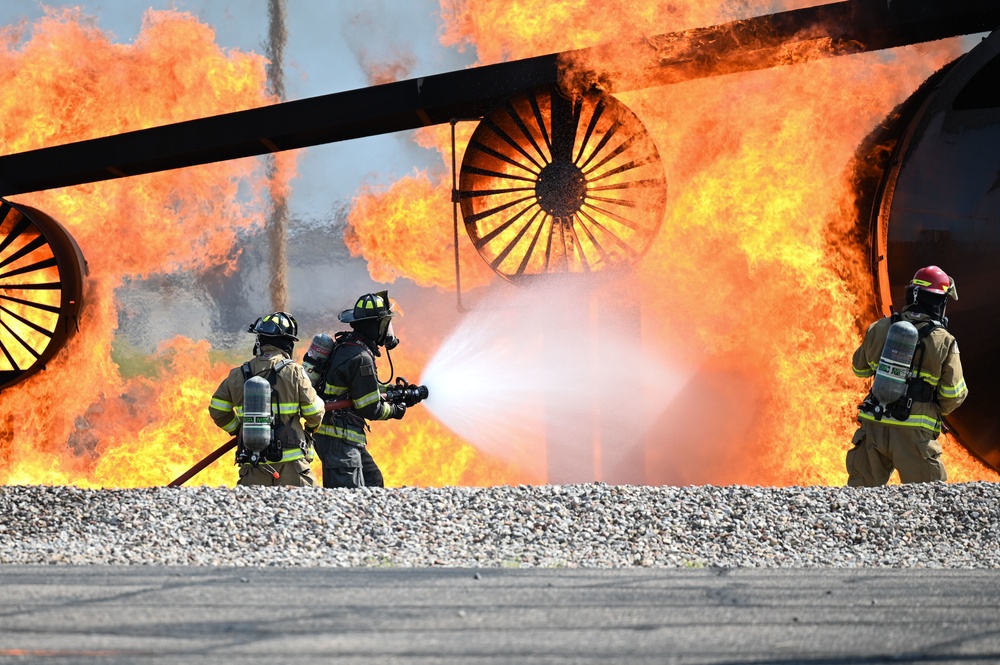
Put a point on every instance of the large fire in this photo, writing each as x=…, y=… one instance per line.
x=741, y=276
x=79, y=421
x=748, y=274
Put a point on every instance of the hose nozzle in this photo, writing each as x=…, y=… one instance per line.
x=406, y=393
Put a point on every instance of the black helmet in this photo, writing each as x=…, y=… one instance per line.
x=369, y=306
x=277, y=324
x=372, y=316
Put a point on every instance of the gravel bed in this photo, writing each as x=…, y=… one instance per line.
x=934, y=525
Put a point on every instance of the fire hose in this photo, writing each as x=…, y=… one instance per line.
x=402, y=393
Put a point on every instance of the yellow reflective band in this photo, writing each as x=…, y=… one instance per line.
x=950, y=392
x=920, y=282
x=365, y=400
x=292, y=454
x=221, y=405
x=926, y=422
x=311, y=409
x=288, y=455
x=863, y=373
x=232, y=425
x=342, y=433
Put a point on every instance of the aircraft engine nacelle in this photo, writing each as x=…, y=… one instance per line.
x=935, y=200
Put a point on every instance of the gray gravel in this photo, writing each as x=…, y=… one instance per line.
x=593, y=525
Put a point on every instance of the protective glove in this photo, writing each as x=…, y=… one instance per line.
x=398, y=411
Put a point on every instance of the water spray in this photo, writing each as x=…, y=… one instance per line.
x=553, y=381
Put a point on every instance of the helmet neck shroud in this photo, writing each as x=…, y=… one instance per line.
x=931, y=304
x=286, y=344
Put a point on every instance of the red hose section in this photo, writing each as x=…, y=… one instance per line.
x=226, y=447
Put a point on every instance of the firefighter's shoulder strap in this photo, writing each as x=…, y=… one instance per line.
x=919, y=390
x=343, y=339
x=923, y=331
x=272, y=375
x=347, y=339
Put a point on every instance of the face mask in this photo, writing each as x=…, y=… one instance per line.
x=386, y=336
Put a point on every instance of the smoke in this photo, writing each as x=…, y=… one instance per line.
x=370, y=26
x=555, y=379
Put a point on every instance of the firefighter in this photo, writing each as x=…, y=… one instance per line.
x=294, y=401
x=351, y=374
x=903, y=435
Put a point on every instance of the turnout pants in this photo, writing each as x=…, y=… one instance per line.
x=296, y=473
x=346, y=465
x=879, y=449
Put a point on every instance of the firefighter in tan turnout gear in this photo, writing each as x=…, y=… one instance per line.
x=902, y=434
x=295, y=407
x=351, y=374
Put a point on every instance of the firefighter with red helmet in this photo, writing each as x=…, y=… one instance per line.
x=295, y=405
x=902, y=435
x=351, y=374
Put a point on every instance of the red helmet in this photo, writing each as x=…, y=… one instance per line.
x=934, y=280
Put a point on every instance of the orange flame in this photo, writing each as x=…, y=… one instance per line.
x=748, y=276
x=743, y=276
x=80, y=421
x=85, y=420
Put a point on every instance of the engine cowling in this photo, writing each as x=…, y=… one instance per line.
x=935, y=200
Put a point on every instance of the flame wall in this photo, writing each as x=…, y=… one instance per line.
x=79, y=421
x=746, y=279
x=755, y=277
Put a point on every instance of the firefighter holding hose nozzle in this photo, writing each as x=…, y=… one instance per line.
x=918, y=379
x=350, y=375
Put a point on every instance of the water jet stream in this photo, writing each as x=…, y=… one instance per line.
x=551, y=380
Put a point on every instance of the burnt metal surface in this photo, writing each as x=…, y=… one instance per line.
x=766, y=41
x=41, y=290
x=556, y=185
x=938, y=203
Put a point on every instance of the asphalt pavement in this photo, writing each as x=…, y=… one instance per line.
x=203, y=615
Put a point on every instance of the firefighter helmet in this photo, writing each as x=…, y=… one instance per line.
x=934, y=280
x=370, y=306
x=276, y=324
x=372, y=317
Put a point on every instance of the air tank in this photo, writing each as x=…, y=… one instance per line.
x=256, y=414
x=894, y=364
x=316, y=356
x=934, y=199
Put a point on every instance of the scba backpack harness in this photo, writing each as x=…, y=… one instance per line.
x=897, y=384
x=262, y=434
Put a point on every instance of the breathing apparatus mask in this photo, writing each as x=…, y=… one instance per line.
x=386, y=337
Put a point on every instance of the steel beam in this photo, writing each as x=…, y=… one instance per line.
x=841, y=28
